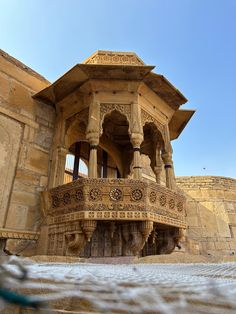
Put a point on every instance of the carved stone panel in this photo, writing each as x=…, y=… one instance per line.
x=10, y=136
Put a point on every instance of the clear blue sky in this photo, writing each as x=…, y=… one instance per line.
x=191, y=42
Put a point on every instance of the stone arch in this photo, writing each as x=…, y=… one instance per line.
x=115, y=139
x=78, y=152
x=75, y=132
x=76, y=128
x=146, y=118
x=106, y=109
x=153, y=139
x=69, y=167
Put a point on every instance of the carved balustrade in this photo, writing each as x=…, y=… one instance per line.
x=115, y=199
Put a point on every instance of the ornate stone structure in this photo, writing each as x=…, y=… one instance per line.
x=116, y=210
x=132, y=207
x=115, y=117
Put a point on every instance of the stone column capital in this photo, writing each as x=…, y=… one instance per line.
x=167, y=157
x=136, y=139
x=62, y=150
x=93, y=138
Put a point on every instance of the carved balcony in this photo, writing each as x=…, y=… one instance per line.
x=114, y=199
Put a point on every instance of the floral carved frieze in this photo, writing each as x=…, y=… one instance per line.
x=88, y=198
x=18, y=234
x=117, y=58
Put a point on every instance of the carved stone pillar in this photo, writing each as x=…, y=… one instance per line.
x=92, y=135
x=169, y=170
x=60, y=165
x=92, y=168
x=158, y=166
x=58, y=153
x=136, y=141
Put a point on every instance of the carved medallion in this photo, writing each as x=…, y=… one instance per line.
x=152, y=197
x=79, y=196
x=116, y=194
x=162, y=200
x=180, y=206
x=122, y=215
x=66, y=198
x=172, y=203
x=136, y=195
x=114, y=214
x=106, y=215
x=99, y=215
x=95, y=194
x=55, y=201
x=91, y=214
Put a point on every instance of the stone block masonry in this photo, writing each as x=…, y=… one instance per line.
x=211, y=209
x=26, y=131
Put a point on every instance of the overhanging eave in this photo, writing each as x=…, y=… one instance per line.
x=80, y=73
x=164, y=89
x=178, y=122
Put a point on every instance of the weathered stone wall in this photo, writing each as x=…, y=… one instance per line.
x=211, y=214
x=26, y=131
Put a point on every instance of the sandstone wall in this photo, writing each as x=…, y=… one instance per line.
x=26, y=131
x=211, y=214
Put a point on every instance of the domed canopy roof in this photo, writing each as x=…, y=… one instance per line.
x=113, y=65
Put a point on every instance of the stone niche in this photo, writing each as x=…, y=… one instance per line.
x=10, y=136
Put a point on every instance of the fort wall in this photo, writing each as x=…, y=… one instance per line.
x=26, y=130
x=211, y=214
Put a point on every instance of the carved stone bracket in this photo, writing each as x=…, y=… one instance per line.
x=89, y=227
x=135, y=235
x=75, y=242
